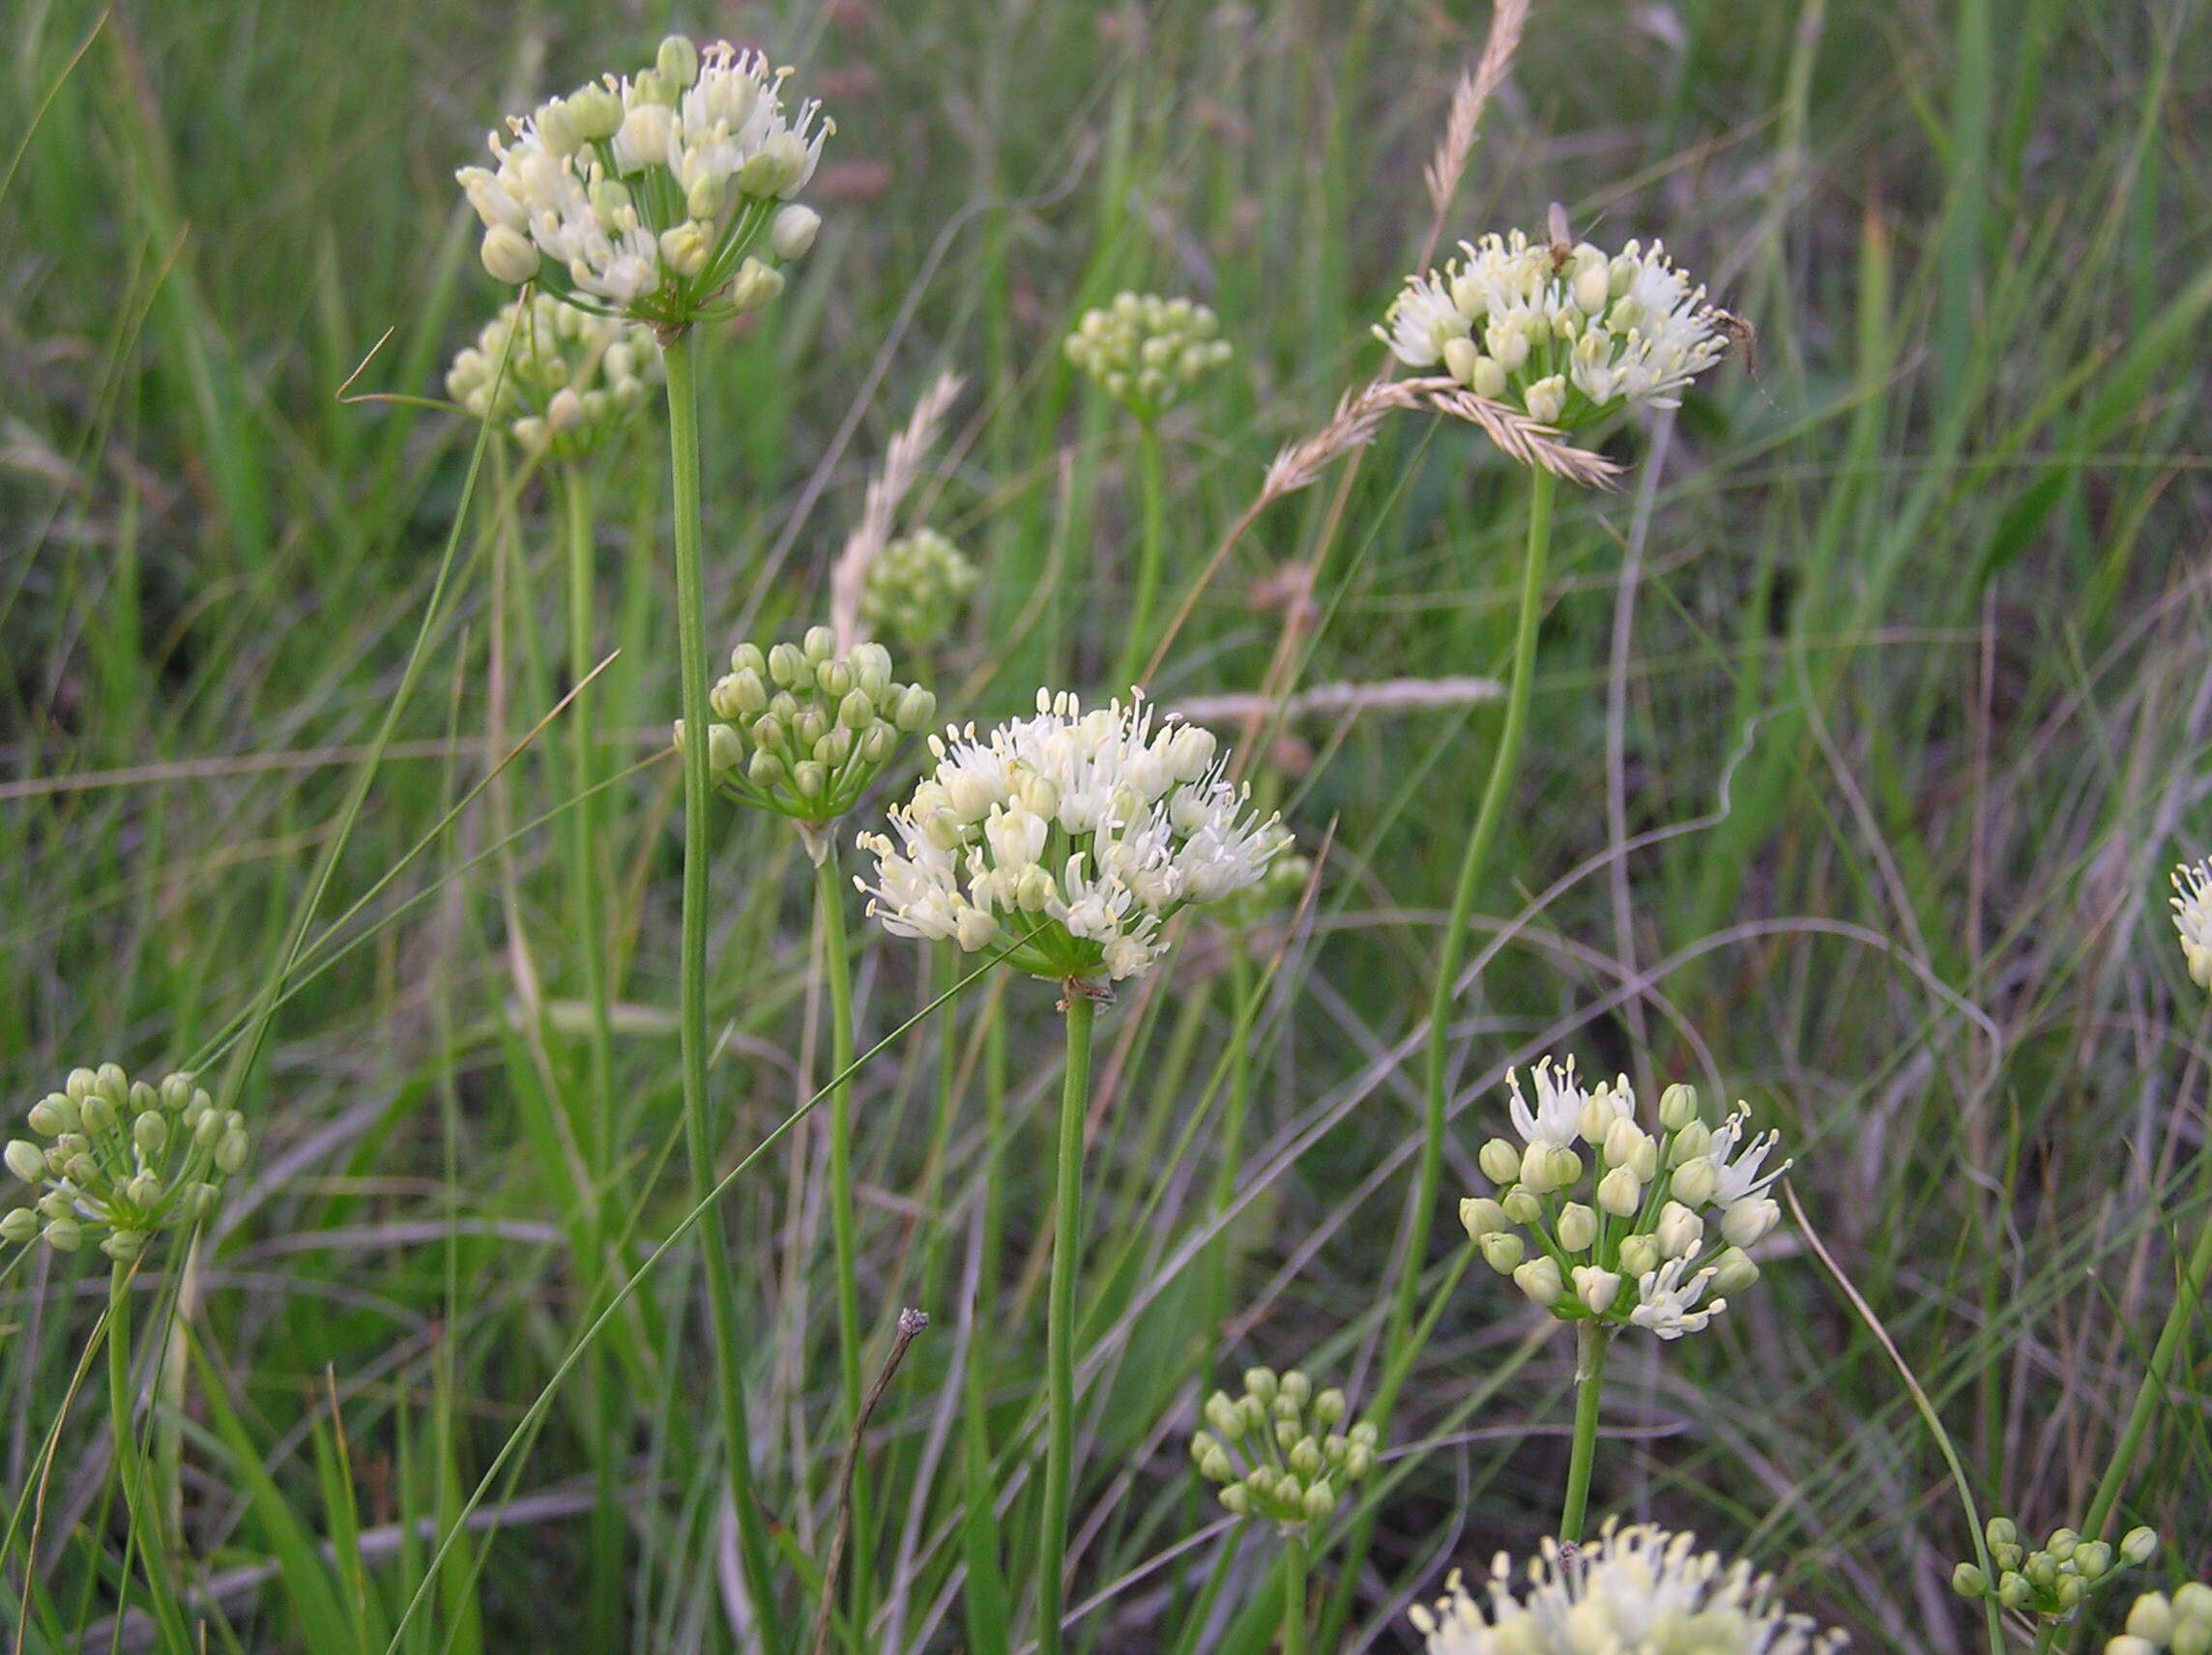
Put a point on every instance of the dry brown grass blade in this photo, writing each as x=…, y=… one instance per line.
x=902, y=463
x=1522, y=437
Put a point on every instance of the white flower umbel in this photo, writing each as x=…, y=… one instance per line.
x=1648, y=1229
x=1145, y=351
x=1069, y=839
x=1631, y=1592
x=1566, y=335
x=573, y=377
x=646, y=196
x=2192, y=919
x=121, y=1161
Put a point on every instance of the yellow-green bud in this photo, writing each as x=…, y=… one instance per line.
x=123, y=1245
x=855, y=712
x=19, y=1225
x=1749, y=1220
x=1500, y=1161
x=916, y=707
x=1317, y=1503
x=1969, y=1581
x=1261, y=1383
x=1733, y=1271
x=775, y=166
x=98, y=1114
x=1481, y=1216
x=2138, y=1545
x=1539, y=1279
x=1638, y=1255
x=1689, y=1143
x=678, y=61
x=1520, y=1206
x=1695, y=1182
x=1577, y=1228
x=508, y=255
x=791, y=232
x=2013, y=1589
x=1677, y=1107
x=64, y=1235
x=2001, y=1532
x=26, y=1160
x=230, y=1153
x=1619, y=1192
x=808, y=778
x=53, y=1114
x=1502, y=1251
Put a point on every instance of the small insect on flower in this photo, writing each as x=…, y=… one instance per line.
x=1638, y=1589
x=1069, y=839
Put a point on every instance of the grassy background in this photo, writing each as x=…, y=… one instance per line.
x=1904, y=717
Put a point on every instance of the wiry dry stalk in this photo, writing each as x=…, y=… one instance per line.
x=1381, y=696
x=902, y=463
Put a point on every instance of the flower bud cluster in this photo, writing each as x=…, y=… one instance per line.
x=571, y=377
x=1631, y=1591
x=803, y=730
x=1146, y=351
x=644, y=196
x=2054, y=1581
x=2181, y=1624
x=1276, y=1451
x=1070, y=839
x=916, y=586
x=1567, y=335
x=2192, y=919
x=1597, y=1218
x=121, y=1161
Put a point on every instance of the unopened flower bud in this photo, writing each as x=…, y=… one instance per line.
x=791, y=232
x=1639, y=1256
x=1262, y=1383
x=1733, y=1271
x=1969, y=1581
x=2093, y=1559
x=1577, y=1228
x=2013, y=1589
x=1596, y=1287
x=678, y=61
x=123, y=1245
x=1690, y=1142
x=808, y=778
x=62, y=1234
x=1481, y=1216
x=1680, y=1232
x=18, y=1226
x=1539, y=1279
x=1500, y=1161
x=2138, y=1545
x=916, y=707
x=1318, y=1501
x=1749, y=1220
x=1462, y=356
x=98, y=1115
x=1328, y=1407
x=508, y=255
x=1695, y=1182
x=1619, y=1192
x=756, y=284
x=53, y=1114
x=1678, y=1106
x=26, y=1160
x=1520, y=1206
x=1502, y=1251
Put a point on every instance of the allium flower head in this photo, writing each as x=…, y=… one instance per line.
x=2192, y=919
x=1146, y=351
x=1072, y=836
x=1276, y=1450
x=121, y=1160
x=1568, y=336
x=2181, y=1624
x=571, y=377
x=1631, y=1592
x=915, y=588
x=2052, y=1583
x=644, y=196
x=802, y=731
x=1598, y=1219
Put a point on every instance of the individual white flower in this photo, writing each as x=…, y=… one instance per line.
x=1145, y=351
x=1558, y=1116
x=1640, y=1590
x=1069, y=837
x=643, y=196
x=571, y=377
x=2192, y=919
x=1569, y=335
x=1667, y=1305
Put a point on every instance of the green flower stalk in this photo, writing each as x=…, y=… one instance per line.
x=917, y=588
x=646, y=196
x=572, y=379
x=1277, y=1456
x=801, y=733
x=1145, y=351
x=2053, y=1581
x=121, y=1161
x=1608, y=1226
x=665, y=197
x=1064, y=843
x=2181, y=1624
